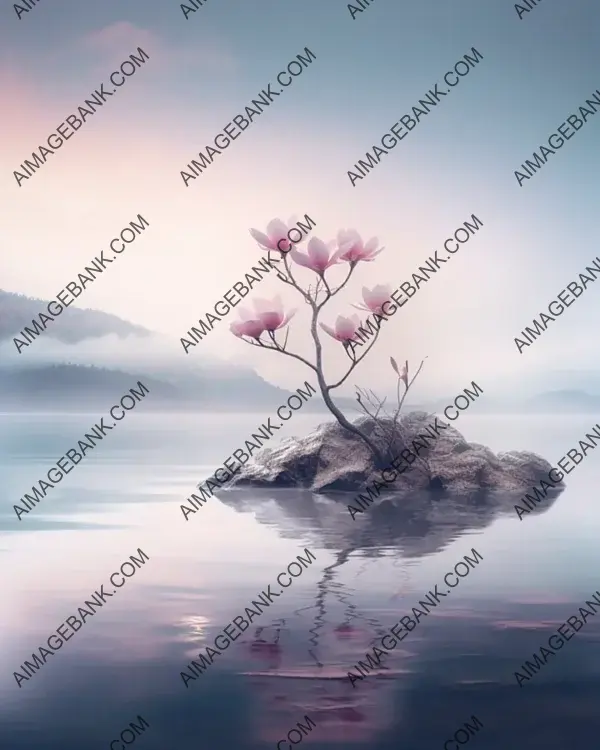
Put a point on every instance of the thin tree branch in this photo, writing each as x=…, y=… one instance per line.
x=345, y=281
x=282, y=351
x=355, y=362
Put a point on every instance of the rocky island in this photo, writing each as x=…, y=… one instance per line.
x=426, y=454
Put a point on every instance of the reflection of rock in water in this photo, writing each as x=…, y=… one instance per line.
x=420, y=523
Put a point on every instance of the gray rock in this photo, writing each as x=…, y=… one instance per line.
x=331, y=459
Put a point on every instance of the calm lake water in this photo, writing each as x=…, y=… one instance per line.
x=127, y=659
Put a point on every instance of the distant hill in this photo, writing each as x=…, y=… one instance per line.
x=71, y=326
x=550, y=402
x=572, y=401
x=80, y=360
x=67, y=387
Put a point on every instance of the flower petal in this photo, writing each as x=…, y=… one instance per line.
x=300, y=259
x=371, y=245
x=369, y=297
x=354, y=237
x=329, y=330
x=381, y=293
x=261, y=238
x=337, y=256
x=270, y=320
x=269, y=305
x=342, y=237
x=276, y=229
x=318, y=253
x=235, y=328
x=245, y=314
x=345, y=327
x=253, y=328
x=288, y=317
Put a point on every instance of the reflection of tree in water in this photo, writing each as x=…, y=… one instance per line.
x=323, y=690
x=351, y=626
x=268, y=651
x=400, y=564
x=420, y=525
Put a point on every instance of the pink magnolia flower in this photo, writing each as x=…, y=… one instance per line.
x=271, y=315
x=276, y=231
x=375, y=299
x=318, y=258
x=249, y=325
x=345, y=328
x=353, y=248
x=251, y=328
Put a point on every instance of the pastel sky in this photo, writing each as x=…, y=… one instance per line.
x=369, y=72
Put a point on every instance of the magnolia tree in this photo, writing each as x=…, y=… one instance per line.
x=267, y=325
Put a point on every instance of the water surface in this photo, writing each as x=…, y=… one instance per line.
x=127, y=659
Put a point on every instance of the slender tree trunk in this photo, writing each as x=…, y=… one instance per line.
x=346, y=424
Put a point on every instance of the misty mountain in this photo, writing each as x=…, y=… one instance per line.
x=533, y=383
x=66, y=387
x=90, y=355
x=86, y=358
x=71, y=326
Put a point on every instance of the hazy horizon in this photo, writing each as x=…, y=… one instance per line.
x=458, y=161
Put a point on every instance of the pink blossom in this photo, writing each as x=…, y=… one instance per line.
x=271, y=315
x=318, y=258
x=345, y=328
x=353, y=248
x=276, y=231
x=249, y=325
x=251, y=328
x=375, y=299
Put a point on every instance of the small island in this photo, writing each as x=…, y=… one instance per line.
x=333, y=460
